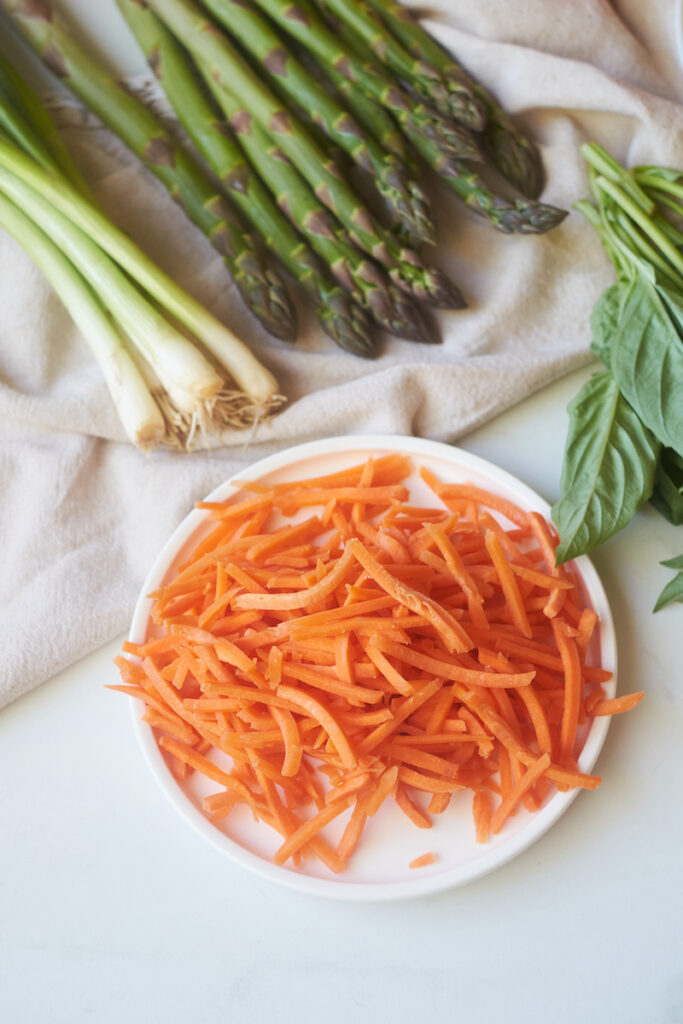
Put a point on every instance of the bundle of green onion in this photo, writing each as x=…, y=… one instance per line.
x=166, y=387
x=299, y=109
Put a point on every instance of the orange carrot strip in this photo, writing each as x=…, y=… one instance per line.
x=350, y=786
x=284, y=538
x=173, y=726
x=354, y=694
x=481, y=811
x=617, y=705
x=438, y=803
x=302, y=598
x=452, y=633
x=540, y=579
x=573, y=686
x=399, y=714
x=538, y=719
x=446, y=670
x=346, y=611
x=421, y=759
x=411, y=810
x=349, y=495
x=441, y=710
x=442, y=739
x=352, y=832
x=309, y=829
x=291, y=739
x=522, y=786
x=387, y=670
x=585, y=629
x=324, y=718
x=201, y=764
x=342, y=658
x=507, y=582
x=274, y=669
x=224, y=510
x=242, y=577
x=478, y=495
x=423, y=861
x=425, y=782
x=384, y=787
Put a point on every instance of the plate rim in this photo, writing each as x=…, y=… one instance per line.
x=335, y=887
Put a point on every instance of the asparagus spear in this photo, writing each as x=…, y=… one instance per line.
x=365, y=281
x=345, y=323
x=519, y=215
x=332, y=49
x=512, y=152
x=448, y=95
x=404, y=199
x=260, y=287
x=226, y=67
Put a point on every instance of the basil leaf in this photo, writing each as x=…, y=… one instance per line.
x=608, y=470
x=605, y=320
x=674, y=563
x=646, y=359
x=673, y=591
x=667, y=496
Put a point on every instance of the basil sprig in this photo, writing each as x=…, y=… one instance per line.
x=625, y=439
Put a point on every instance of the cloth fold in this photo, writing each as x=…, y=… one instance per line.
x=82, y=514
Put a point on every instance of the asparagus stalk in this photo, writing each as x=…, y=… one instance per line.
x=448, y=95
x=345, y=323
x=139, y=414
x=511, y=151
x=256, y=389
x=370, y=79
x=519, y=215
x=262, y=290
x=451, y=139
x=405, y=200
x=226, y=67
x=364, y=280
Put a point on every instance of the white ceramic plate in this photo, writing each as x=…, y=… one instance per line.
x=379, y=869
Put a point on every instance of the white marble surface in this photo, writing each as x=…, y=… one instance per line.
x=112, y=910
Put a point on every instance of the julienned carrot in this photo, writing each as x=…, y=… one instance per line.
x=573, y=690
x=411, y=809
x=522, y=786
x=314, y=709
x=481, y=812
x=424, y=860
x=370, y=649
x=451, y=632
x=617, y=705
x=308, y=829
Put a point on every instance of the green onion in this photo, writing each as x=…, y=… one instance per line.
x=137, y=410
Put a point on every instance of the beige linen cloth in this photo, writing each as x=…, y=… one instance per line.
x=83, y=514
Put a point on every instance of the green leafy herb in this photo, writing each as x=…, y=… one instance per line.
x=625, y=440
x=608, y=470
x=667, y=496
x=673, y=591
x=647, y=358
x=604, y=320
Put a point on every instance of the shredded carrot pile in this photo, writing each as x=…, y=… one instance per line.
x=371, y=651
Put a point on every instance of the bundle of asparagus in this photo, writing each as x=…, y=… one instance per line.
x=298, y=108
x=165, y=387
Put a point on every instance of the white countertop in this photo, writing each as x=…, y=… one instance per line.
x=113, y=910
